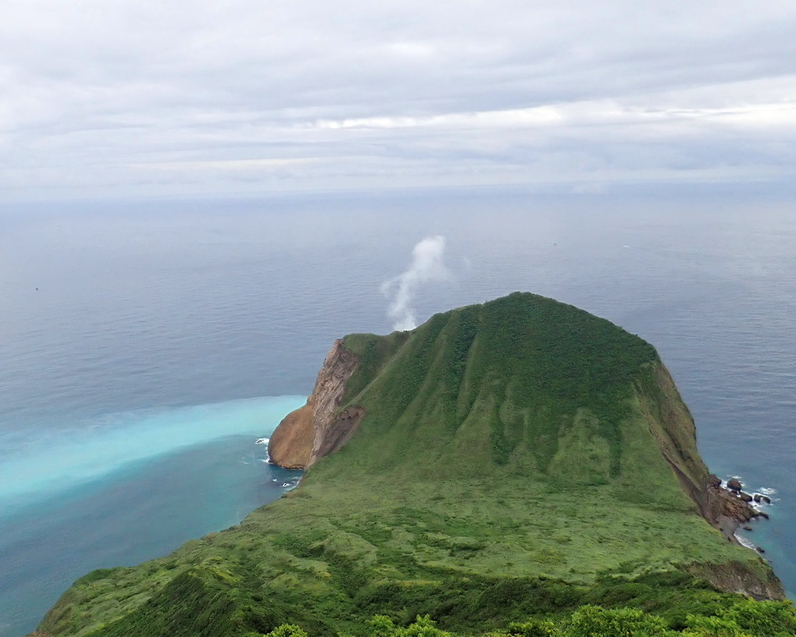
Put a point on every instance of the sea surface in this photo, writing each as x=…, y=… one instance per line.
x=146, y=346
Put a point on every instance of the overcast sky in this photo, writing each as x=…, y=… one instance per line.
x=132, y=98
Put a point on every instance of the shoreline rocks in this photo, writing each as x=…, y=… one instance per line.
x=733, y=508
x=730, y=508
x=734, y=484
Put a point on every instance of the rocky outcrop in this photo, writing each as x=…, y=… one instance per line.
x=734, y=484
x=719, y=503
x=319, y=427
x=754, y=580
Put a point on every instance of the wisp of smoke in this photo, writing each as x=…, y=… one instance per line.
x=427, y=266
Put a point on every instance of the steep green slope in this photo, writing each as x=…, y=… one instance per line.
x=520, y=385
x=516, y=458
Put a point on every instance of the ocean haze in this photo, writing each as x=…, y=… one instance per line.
x=193, y=324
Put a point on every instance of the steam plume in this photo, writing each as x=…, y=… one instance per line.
x=427, y=266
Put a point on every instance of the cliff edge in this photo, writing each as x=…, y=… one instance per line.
x=319, y=427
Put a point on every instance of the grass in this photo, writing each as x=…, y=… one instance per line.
x=470, y=554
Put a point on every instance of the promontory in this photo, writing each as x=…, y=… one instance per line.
x=516, y=461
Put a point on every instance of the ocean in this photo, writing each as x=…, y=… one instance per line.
x=146, y=346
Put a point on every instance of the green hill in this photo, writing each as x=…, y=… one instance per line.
x=515, y=459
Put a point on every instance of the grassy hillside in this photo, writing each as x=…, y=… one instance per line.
x=517, y=459
x=523, y=384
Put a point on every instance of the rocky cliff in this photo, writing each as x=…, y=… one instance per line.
x=319, y=427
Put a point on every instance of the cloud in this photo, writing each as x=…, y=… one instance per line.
x=97, y=97
x=427, y=266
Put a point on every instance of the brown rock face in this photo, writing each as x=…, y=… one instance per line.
x=736, y=577
x=720, y=503
x=319, y=427
x=290, y=445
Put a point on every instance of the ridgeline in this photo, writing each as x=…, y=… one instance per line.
x=516, y=461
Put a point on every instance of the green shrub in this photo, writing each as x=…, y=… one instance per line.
x=287, y=630
x=593, y=621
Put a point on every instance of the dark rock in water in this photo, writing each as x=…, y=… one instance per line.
x=757, y=497
x=748, y=528
x=763, y=498
x=744, y=496
x=760, y=549
x=734, y=484
x=714, y=480
x=763, y=514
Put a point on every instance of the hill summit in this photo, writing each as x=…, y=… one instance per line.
x=512, y=459
x=523, y=385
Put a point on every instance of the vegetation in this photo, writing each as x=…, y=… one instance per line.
x=741, y=619
x=513, y=475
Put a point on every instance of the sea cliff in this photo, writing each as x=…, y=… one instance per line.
x=320, y=427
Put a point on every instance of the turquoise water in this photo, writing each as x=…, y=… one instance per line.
x=45, y=462
x=145, y=347
x=121, y=488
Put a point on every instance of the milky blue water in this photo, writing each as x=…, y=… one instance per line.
x=144, y=347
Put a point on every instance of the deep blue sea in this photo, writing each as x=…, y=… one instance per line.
x=144, y=347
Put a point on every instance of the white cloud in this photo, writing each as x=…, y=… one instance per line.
x=130, y=98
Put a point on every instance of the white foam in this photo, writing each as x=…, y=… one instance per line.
x=745, y=542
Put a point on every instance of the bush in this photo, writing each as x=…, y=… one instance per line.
x=593, y=621
x=287, y=630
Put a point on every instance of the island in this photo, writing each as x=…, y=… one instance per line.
x=519, y=467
